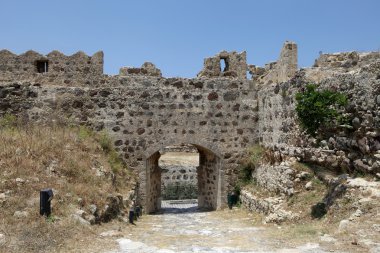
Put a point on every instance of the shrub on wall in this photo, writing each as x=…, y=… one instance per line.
x=318, y=108
x=255, y=156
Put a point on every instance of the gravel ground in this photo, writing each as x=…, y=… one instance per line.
x=180, y=227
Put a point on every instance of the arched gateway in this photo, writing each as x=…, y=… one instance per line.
x=209, y=178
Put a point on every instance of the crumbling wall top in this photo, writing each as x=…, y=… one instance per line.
x=346, y=59
x=148, y=69
x=280, y=71
x=235, y=65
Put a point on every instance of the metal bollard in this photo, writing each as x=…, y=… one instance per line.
x=131, y=216
x=46, y=196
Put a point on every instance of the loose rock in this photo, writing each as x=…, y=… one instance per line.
x=309, y=186
x=343, y=225
x=327, y=238
x=2, y=239
x=111, y=233
x=21, y=214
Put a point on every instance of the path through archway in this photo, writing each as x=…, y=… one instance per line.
x=179, y=180
x=209, y=183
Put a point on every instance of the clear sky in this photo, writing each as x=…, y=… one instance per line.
x=177, y=35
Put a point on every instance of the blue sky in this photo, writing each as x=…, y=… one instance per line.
x=177, y=35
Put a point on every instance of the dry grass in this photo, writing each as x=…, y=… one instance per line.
x=66, y=159
x=303, y=200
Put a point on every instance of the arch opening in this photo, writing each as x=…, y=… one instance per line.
x=178, y=172
x=179, y=179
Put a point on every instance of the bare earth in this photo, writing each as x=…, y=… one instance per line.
x=179, y=158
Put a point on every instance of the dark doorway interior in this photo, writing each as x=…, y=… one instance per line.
x=42, y=66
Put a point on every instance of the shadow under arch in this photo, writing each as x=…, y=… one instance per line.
x=210, y=176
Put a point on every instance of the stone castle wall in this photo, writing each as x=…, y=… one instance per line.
x=172, y=174
x=220, y=114
x=145, y=114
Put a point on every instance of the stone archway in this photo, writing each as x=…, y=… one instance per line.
x=209, y=173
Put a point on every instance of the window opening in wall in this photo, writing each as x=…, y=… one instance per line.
x=224, y=66
x=42, y=66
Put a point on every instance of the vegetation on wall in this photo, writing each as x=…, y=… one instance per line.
x=256, y=154
x=318, y=108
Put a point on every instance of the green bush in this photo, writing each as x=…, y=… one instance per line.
x=318, y=108
x=245, y=174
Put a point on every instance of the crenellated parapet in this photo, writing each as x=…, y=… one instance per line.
x=31, y=65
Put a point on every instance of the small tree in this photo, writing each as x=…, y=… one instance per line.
x=318, y=108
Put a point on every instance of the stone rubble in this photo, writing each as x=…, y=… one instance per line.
x=272, y=207
x=21, y=214
x=327, y=238
x=2, y=239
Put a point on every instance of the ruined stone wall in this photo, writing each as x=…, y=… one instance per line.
x=147, y=69
x=76, y=69
x=352, y=147
x=220, y=116
x=235, y=65
x=346, y=60
x=280, y=71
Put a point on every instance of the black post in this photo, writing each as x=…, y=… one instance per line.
x=46, y=196
x=131, y=216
